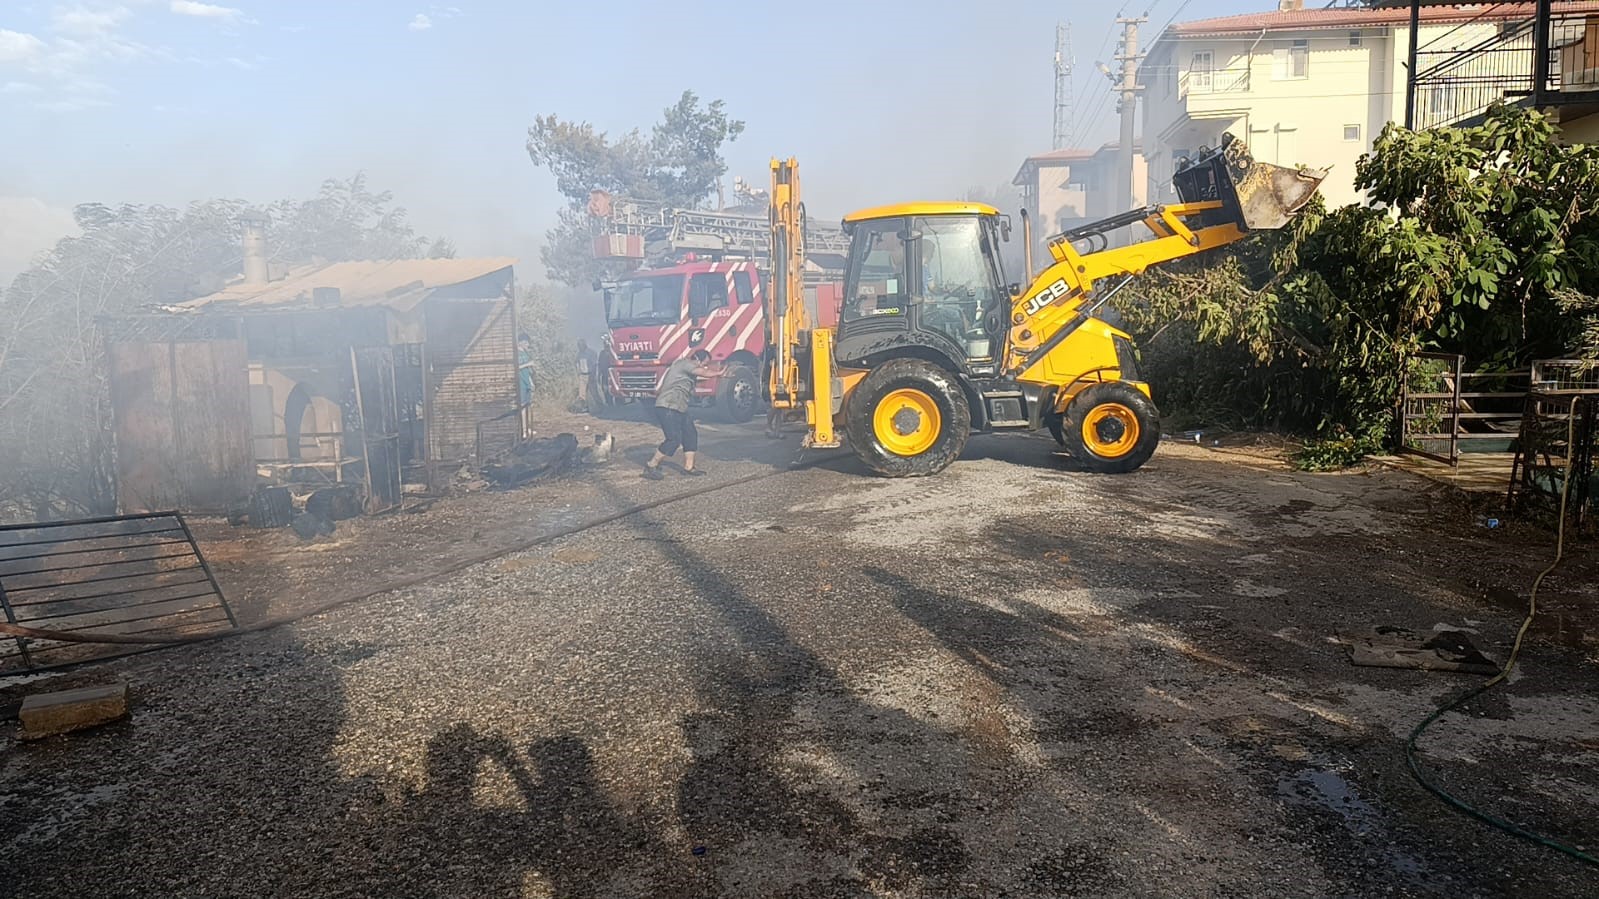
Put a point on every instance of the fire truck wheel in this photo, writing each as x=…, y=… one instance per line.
x=740, y=394
x=1112, y=428
x=908, y=419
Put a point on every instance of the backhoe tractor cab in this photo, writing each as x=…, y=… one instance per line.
x=933, y=343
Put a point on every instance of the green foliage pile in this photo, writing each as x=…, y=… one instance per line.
x=1482, y=241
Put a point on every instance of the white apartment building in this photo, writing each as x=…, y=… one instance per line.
x=1311, y=87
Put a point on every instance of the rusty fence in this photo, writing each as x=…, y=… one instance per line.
x=1559, y=438
x=122, y=575
x=1445, y=410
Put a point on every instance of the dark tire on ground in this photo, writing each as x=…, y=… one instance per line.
x=1112, y=428
x=1057, y=427
x=740, y=394
x=915, y=396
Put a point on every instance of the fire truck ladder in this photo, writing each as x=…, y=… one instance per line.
x=730, y=233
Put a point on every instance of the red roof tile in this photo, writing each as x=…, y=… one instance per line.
x=1309, y=19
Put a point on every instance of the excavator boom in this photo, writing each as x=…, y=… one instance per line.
x=785, y=310
x=801, y=356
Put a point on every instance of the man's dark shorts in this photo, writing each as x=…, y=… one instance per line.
x=678, y=429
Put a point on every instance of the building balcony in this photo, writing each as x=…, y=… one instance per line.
x=1201, y=82
x=1456, y=87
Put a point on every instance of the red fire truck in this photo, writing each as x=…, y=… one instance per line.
x=697, y=288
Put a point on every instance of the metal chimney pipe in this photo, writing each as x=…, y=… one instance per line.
x=253, y=224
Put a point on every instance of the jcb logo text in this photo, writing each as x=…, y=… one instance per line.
x=1046, y=296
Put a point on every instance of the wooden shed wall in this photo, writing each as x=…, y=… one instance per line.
x=471, y=371
x=182, y=423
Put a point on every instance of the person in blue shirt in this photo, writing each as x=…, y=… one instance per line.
x=524, y=367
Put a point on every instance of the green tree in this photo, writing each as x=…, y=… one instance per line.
x=542, y=316
x=1481, y=241
x=678, y=164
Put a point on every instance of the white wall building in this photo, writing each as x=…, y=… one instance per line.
x=1311, y=87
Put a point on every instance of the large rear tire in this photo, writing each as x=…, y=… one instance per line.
x=908, y=419
x=1112, y=428
x=740, y=394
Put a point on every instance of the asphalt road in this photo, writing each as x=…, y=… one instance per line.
x=1016, y=679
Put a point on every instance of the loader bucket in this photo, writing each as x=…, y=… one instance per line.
x=1255, y=196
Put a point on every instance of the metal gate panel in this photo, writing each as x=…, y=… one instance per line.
x=123, y=575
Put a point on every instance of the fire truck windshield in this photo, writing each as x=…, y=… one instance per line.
x=645, y=301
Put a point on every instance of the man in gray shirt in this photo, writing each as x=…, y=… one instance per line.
x=671, y=412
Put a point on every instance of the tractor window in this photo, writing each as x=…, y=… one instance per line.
x=645, y=301
x=706, y=294
x=877, y=281
x=957, y=274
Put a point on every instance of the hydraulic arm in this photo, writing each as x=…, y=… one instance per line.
x=802, y=361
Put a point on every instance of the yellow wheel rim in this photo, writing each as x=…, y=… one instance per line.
x=1110, y=430
x=907, y=422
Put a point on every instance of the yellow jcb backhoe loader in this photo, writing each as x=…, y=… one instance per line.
x=931, y=344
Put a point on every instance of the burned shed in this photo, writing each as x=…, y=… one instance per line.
x=370, y=373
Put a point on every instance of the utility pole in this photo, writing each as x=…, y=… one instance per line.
x=1063, y=85
x=1128, y=107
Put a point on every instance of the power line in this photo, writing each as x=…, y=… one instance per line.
x=1172, y=19
x=1471, y=21
x=1104, y=44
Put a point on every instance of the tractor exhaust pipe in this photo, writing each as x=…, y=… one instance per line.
x=1027, y=245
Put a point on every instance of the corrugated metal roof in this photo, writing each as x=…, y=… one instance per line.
x=1061, y=155
x=1313, y=19
x=363, y=283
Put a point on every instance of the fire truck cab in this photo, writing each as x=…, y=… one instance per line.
x=659, y=315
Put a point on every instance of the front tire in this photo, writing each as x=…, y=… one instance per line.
x=1057, y=427
x=908, y=419
x=740, y=394
x=1112, y=428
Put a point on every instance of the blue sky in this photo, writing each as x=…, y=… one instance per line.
x=170, y=101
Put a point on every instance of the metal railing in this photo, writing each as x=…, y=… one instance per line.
x=1442, y=406
x=1454, y=86
x=1545, y=456
x=1229, y=80
x=1564, y=376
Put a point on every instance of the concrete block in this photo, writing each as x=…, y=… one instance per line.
x=48, y=714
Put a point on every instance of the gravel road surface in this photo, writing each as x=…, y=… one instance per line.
x=1015, y=679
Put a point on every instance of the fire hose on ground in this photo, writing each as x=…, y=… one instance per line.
x=1416, y=770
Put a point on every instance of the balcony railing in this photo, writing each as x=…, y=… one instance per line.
x=1455, y=86
x=1231, y=80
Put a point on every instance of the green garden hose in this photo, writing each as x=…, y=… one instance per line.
x=1532, y=612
